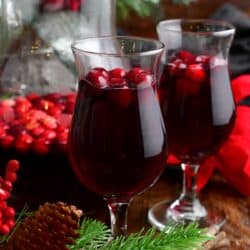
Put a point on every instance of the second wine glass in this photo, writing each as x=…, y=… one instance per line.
x=198, y=108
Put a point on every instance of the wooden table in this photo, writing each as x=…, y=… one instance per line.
x=217, y=193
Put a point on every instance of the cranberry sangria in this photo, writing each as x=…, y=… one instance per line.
x=197, y=105
x=117, y=142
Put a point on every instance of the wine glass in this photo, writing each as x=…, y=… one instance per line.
x=117, y=142
x=198, y=109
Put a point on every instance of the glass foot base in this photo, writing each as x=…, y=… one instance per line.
x=157, y=217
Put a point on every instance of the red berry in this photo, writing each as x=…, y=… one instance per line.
x=9, y=212
x=195, y=72
x=98, y=77
x=117, y=73
x=53, y=97
x=7, y=114
x=7, y=141
x=54, y=111
x=10, y=176
x=41, y=146
x=37, y=131
x=49, y=122
x=7, y=185
x=186, y=56
x=49, y=134
x=4, y=229
x=4, y=195
x=23, y=142
x=8, y=102
x=2, y=132
x=10, y=223
x=131, y=75
x=12, y=166
x=3, y=205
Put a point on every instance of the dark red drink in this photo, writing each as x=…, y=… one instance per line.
x=117, y=140
x=197, y=104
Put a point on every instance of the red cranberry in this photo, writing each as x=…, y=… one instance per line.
x=195, y=72
x=23, y=142
x=69, y=107
x=11, y=176
x=53, y=97
x=41, y=146
x=8, y=103
x=3, y=205
x=32, y=97
x=202, y=59
x=12, y=166
x=17, y=129
x=9, y=212
x=10, y=223
x=37, y=131
x=4, y=229
x=131, y=75
x=49, y=122
x=2, y=132
x=98, y=77
x=7, y=185
x=49, y=134
x=186, y=56
x=7, y=141
x=7, y=114
x=4, y=195
x=117, y=73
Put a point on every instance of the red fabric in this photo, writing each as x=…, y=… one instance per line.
x=233, y=158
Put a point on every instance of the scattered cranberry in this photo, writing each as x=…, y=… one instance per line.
x=11, y=176
x=117, y=82
x=4, y=229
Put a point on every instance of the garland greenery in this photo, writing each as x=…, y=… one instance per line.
x=95, y=235
x=142, y=7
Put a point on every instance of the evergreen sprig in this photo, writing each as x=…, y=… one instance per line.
x=95, y=235
x=143, y=7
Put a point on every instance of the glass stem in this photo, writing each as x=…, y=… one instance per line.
x=189, y=191
x=118, y=218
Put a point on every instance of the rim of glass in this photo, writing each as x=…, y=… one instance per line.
x=228, y=26
x=159, y=48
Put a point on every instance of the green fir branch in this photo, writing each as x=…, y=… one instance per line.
x=92, y=235
x=95, y=235
x=142, y=7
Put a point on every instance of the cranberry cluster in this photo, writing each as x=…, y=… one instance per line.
x=189, y=70
x=118, y=77
x=7, y=213
x=36, y=123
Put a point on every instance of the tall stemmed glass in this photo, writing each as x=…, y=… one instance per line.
x=198, y=108
x=117, y=142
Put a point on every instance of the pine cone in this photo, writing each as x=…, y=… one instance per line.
x=52, y=227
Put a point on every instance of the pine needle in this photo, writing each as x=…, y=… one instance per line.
x=95, y=235
x=23, y=213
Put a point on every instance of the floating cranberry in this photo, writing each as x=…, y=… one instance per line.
x=117, y=73
x=202, y=59
x=132, y=74
x=186, y=56
x=195, y=72
x=98, y=77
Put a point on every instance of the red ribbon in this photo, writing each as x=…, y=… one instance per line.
x=233, y=158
